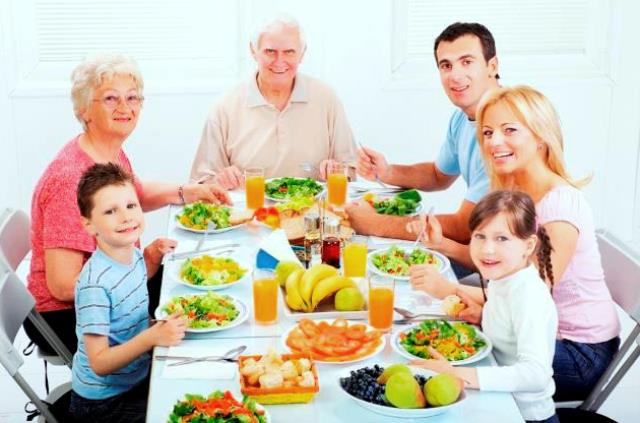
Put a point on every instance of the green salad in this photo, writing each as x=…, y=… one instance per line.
x=198, y=215
x=455, y=341
x=287, y=188
x=218, y=407
x=402, y=204
x=209, y=271
x=396, y=261
x=206, y=311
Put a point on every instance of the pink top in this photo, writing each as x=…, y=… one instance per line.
x=586, y=312
x=55, y=217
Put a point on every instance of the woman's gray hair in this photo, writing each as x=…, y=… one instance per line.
x=275, y=23
x=92, y=72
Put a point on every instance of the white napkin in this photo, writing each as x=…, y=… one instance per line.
x=200, y=370
x=277, y=246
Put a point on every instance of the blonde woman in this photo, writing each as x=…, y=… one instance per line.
x=522, y=146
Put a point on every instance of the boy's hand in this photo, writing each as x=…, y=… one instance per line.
x=158, y=248
x=170, y=331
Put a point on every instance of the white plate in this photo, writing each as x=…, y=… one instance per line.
x=202, y=231
x=380, y=347
x=282, y=200
x=174, y=273
x=419, y=208
x=242, y=315
x=443, y=267
x=395, y=344
x=403, y=413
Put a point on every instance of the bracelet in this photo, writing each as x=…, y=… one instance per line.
x=181, y=194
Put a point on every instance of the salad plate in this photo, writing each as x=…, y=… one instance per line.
x=207, y=312
x=209, y=272
x=195, y=217
x=287, y=188
x=460, y=342
x=395, y=261
x=201, y=408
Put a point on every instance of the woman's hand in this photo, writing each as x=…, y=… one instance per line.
x=230, y=178
x=155, y=251
x=371, y=164
x=427, y=278
x=170, y=331
x=209, y=193
x=472, y=313
x=432, y=236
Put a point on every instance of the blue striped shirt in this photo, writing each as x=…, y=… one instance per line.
x=111, y=300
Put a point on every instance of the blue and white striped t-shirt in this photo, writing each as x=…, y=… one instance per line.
x=111, y=300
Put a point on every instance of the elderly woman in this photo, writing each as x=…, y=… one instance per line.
x=280, y=120
x=107, y=99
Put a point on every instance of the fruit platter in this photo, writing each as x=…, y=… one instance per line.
x=334, y=341
x=196, y=217
x=459, y=342
x=209, y=273
x=207, y=312
x=283, y=189
x=402, y=391
x=218, y=406
x=395, y=261
x=275, y=378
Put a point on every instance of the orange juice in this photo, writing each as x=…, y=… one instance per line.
x=354, y=260
x=337, y=186
x=254, y=190
x=265, y=300
x=381, y=307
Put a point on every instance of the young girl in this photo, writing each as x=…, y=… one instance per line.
x=519, y=315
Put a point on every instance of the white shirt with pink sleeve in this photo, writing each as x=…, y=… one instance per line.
x=586, y=312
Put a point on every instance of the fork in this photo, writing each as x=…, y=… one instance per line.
x=210, y=227
x=424, y=228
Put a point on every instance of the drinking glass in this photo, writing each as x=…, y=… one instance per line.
x=254, y=187
x=265, y=296
x=354, y=257
x=337, y=184
x=381, y=302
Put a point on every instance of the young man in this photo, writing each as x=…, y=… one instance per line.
x=111, y=366
x=466, y=57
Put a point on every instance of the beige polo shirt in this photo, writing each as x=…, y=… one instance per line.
x=244, y=130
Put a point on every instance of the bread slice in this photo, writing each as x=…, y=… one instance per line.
x=239, y=217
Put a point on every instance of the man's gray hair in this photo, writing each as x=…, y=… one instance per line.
x=275, y=23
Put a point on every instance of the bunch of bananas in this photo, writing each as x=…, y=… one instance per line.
x=307, y=288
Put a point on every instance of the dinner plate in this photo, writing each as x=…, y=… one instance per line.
x=383, y=343
x=282, y=200
x=406, y=413
x=202, y=231
x=419, y=209
x=443, y=261
x=243, y=313
x=174, y=273
x=399, y=348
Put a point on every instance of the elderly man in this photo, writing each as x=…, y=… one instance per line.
x=465, y=54
x=281, y=120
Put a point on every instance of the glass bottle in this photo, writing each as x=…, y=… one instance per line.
x=331, y=244
x=312, y=241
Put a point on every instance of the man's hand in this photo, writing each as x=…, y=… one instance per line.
x=372, y=164
x=230, y=178
x=362, y=217
x=209, y=193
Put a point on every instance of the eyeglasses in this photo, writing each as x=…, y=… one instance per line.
x=112, y=101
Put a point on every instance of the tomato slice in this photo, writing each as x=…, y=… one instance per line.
x=356, y=332
x=308, y=327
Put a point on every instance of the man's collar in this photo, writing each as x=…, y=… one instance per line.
x=300, y=93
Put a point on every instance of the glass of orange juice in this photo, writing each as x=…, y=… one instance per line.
x=354, y=257
x=381, y=302
x=265, y=296
x=254, y=187
x=337, y=183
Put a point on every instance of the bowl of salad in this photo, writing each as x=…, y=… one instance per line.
x=209, y=273
x=459, y=342
x=285, y=189
x=395, y=261
x=195, y=217
x=219, y=407
x=207, y=312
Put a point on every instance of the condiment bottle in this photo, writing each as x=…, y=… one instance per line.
x=312, y=241
x=331, y=244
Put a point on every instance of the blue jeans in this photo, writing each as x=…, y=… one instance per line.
x=552, y=419
x=127, y=407
x=578, y=366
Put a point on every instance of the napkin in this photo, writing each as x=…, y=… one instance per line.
x=273, y=249
x=201, y=370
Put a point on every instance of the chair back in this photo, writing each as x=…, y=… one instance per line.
x=15, y=305
x=15, y=234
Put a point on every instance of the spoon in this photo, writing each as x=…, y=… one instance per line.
x=409, y=315
x=230, y=355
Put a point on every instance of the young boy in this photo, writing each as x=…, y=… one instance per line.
x=111, y=367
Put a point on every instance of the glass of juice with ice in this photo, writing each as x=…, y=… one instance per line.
x=337, y=184
x=265, y=296
x=381, y=302
x=254, y=187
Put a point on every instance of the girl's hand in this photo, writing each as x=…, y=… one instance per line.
x=170, y=331
x=432, y=236
x=209, y=193
x=438, y=363
x=427, y=278
x=472, y=313
x=155, y=251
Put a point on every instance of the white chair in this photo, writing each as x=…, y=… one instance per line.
x=622, y=275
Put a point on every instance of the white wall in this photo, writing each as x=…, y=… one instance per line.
x=582, y=54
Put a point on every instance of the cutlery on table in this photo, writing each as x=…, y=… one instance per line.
x=211, y=226
x=382, y=184
x=409, y=316
x=176, y=256
x=229, y=356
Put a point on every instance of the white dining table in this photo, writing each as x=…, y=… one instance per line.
x=330, y=404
